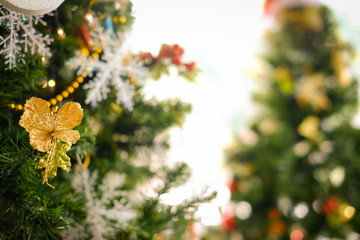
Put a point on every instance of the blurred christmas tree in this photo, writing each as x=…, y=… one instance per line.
x=295, y=170
x=116, y=166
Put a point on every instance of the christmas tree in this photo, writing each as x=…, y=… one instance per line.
x=82, y=151
x=295, y=168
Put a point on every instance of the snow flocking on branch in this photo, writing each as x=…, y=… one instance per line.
x=116, y=68
x=21, y=34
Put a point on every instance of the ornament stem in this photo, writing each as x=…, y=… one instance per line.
x=51, y=153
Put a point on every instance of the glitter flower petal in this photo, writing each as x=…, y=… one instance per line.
x=68, y=136
x=36, y=115
x=68, y=117
x=44, y=126
x=40, y=140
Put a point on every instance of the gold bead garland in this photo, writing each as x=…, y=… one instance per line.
x=121, y=19
x=65, y=94
x=58, y=98
x=78, y=80
x=69, y=90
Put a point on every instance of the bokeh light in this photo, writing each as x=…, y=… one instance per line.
x=297, y=235
x=51, y=83
x=337, y=176
x=301, y=210
x=243, y=210
x=209, y=214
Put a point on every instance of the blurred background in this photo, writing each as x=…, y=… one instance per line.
x=227, y=40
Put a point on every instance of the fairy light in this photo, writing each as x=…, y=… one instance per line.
x=18, y=107
x=88, y=17
x=51, y=83
x=61, y=33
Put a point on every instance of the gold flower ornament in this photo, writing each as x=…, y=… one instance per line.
x=46, y=127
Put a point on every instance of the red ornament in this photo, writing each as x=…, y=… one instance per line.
x=274, y=214
x=173, y=52
x=277, y=228
x=145, y=56
x=233, y=185
x=331, y=205
x=177, y=50
x=193, y=235
x=229, y=220
x=272, y=7
x=164, y=52
x=191, y=67
x=269, y=6
x=176, y=59
x=86, y=36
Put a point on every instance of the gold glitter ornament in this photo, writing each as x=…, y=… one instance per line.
x=56, y=159
x=43, y=125
x=47, y=127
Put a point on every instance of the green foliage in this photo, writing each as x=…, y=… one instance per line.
x=140, y=126
x=17, y=85
x=111, y=139
x=25, y=212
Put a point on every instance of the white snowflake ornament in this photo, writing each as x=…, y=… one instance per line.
x=106, y=212
x=21, y=34
x=115, y=69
